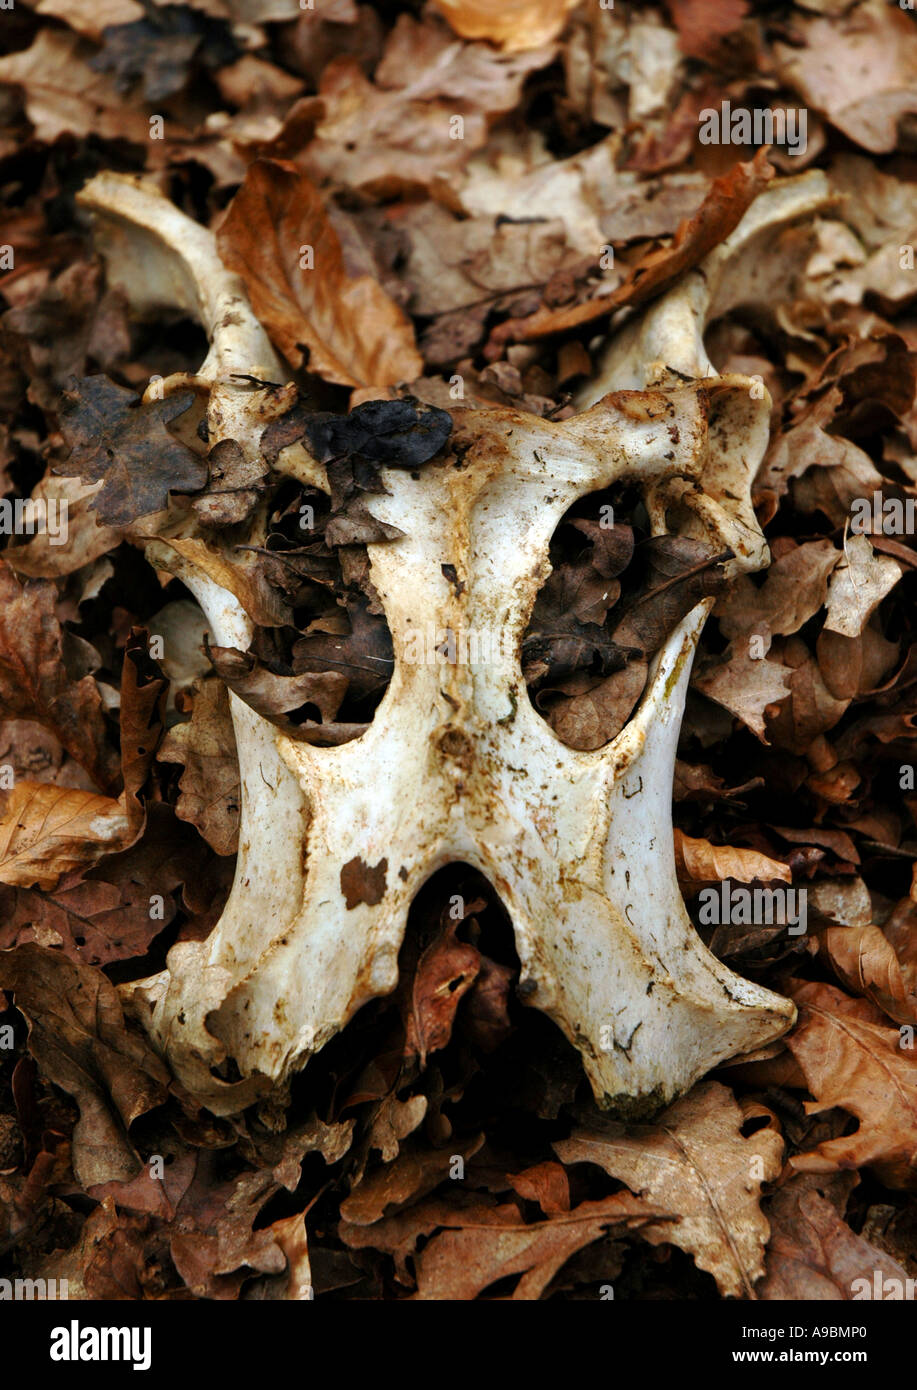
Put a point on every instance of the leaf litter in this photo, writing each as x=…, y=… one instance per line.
x=445, y=1145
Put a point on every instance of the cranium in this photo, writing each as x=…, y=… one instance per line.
x=458, y=765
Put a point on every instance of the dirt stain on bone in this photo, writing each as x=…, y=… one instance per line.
x=361, y=883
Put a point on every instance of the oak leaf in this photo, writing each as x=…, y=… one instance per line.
x=849, y=1060
x=696, y=1163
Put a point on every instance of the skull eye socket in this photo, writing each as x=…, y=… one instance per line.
x=320, y=669
x=581, y=679
x=614, y=596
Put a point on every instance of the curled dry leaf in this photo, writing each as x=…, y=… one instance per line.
x=411, y=1175
x=720, y=213
x=865, y=961
x=47, y=831
x=463, y=1262
x=858, y=586
x=275, y=696
x=696, y=1163
x=446, y=971
x=744, y=685
x=392, y=1122
x=210, y=792
x=545, y=1183
x=698, y=861
x=279, y=238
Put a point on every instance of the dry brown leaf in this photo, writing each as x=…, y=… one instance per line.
x=702, y=23
x=90, y=17
x=34, y=683
x=813, y=1254
x=745, y=685
x=516, y=25
x=411, y=1175
x=827, y=470
x=47, y=831
x=588, y=712
x=852, y=666
x=544, y=1183
x=292, y=1237
x=794, y=589
x=698, y=861
x=352, y=332
x=446, y=971
x=854, y=1062
x=859, y=71
x=696, y=1163
x=64, y=96
x=858, y=586
x=463, y=1263
x=39, y=558
x=78, y=1036
x=729, y=198
x=393, y=1121
x=811, y=709
x=213, y=1241
x=210, y=791
x=397, y=133
x=865, y=962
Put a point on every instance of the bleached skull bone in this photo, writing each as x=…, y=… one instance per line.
x=457, y=766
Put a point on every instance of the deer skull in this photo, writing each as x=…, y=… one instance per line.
x=457, y=765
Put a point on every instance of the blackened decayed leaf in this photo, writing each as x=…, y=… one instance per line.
x=402, y=433
x=128, y=448
x=158, y=50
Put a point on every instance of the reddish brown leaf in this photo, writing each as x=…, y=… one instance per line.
x=346, y=328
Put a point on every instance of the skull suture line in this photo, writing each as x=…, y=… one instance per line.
x=457, y=765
